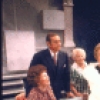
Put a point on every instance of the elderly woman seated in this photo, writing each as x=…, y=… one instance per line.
x=79, y=86
x=37, y=76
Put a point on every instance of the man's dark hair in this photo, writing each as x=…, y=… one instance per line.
x=49, y=36
x=33, y=74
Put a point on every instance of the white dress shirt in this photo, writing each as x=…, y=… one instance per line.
x=52, y=54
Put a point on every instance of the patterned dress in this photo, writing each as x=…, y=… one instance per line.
x=37, y=94
x=78, y=80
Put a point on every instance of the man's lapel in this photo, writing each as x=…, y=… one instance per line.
x=49, y=59
x=59, y=59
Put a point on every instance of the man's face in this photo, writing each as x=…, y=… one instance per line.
x=55, y=43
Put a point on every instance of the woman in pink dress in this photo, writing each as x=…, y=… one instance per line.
x=38, y=77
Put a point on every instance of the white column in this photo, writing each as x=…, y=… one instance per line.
x=68, y=21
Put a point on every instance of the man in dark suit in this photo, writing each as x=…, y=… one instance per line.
x=57, y=65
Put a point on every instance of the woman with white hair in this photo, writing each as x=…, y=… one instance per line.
x=92, y=74
x=79, y=85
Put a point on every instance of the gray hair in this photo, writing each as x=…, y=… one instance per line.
x=78, y=49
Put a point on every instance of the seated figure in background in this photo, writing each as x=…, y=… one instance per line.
x=79, y=86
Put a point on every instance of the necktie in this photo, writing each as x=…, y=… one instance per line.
x=54, y=58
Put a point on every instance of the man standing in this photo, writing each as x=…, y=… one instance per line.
x=57, y=65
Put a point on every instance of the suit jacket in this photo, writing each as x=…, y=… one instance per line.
x=59, y=74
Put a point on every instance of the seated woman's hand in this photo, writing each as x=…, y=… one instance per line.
x=78, y=94
x=70, y=95
x=20, y=96
x=85, y=96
